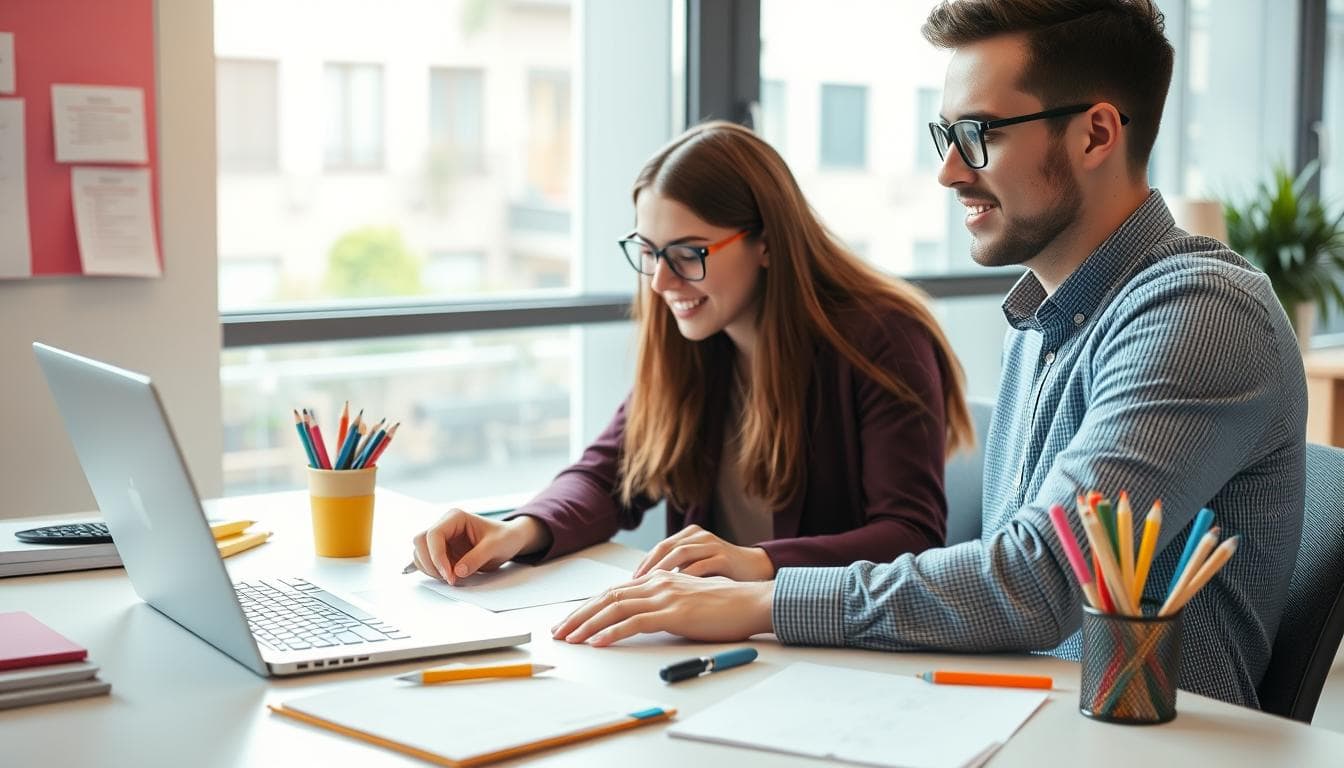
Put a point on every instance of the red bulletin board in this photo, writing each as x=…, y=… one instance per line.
x=78, y=42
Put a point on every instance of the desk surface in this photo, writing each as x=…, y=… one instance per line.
x=177, y=701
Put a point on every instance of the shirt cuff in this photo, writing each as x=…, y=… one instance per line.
x=809, y=606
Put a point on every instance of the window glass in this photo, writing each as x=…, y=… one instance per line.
x=480, y=413
x=851, y=120
x=393, y=135
x=248, y=115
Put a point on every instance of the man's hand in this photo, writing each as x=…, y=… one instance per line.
x=698, y=552
x=461, y=544
x=706, y=609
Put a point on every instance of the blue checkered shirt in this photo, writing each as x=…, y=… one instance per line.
x=1164, y=366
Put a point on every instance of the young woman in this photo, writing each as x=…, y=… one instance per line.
x=792, y=405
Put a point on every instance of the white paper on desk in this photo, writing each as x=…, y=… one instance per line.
x=7, y=76
x=99, y=124
x=16, y=259
x=524, y=586
x=865, y=717
x=114, y=221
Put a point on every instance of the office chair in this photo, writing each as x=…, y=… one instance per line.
x=1313, y=613
x=964, y=478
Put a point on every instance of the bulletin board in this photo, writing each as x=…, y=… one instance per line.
x=84, y=42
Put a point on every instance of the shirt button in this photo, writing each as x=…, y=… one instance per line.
x=1049, y=357
x=1078, y=319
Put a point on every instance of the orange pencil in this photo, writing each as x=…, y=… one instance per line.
x=948, y=677
x=1152, y=525
x=344, y=425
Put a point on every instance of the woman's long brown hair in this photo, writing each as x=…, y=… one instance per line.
x=730, y=178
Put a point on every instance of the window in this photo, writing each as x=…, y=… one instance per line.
x=548, y=137
x=1332, y=127
x=928, y=103
x=774, y=126
x=354, y=117
x=480, y=413
x=456, y=120
x=248, y=116
x=851, y=102
x=405, y=245
x=844, y=126
x=450, y=272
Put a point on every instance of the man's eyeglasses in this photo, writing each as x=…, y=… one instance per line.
x=688, y=261
x=969, y=135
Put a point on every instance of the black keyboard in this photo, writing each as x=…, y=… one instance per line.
x=296, y=615
x=74, y=533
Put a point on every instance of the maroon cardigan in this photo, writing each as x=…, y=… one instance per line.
x=873, y=483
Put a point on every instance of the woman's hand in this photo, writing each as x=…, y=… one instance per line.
x=698, y=552
x=714, y=610
x=461, y=544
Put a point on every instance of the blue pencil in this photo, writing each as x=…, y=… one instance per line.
x=348, y=447
x=306, y=439
x=364, y=455
x=1201, y=526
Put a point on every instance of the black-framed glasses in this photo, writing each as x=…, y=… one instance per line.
x=688, y=261
x=969, y=135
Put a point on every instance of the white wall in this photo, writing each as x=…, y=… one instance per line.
x=168, y=328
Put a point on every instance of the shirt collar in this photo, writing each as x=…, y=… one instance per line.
x=1027, y=307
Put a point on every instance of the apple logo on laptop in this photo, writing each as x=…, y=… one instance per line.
x=137, y=503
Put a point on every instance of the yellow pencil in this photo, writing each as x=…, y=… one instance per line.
x=1124, y=534
x=1197, y=558
x=1101, y=549
x=455, y=672
x=238, y=542
x=1152, y=524
x=228, y=528
x=1216, y=561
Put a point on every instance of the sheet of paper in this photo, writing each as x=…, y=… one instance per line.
x=7, y=71
x=16, y=258
x=114, y=221
x=99, y=124
x=865, y=717
x=460, y=721
x=523, y=586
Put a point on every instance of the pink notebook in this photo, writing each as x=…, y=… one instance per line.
x=27, y=642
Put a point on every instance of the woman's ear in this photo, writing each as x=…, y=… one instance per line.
x=763, y=255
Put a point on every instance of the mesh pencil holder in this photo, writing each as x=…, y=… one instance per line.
x=1130, y=667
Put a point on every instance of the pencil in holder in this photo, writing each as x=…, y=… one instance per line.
x=1130, y=667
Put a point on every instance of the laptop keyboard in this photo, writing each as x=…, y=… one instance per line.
x=295, y=615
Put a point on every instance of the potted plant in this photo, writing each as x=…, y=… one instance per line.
x=1287, y=232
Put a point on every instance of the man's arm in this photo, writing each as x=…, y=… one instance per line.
x=1183, y=388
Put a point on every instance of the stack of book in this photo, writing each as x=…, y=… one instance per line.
x=38, y=664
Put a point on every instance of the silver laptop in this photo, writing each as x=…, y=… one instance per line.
x=272, y=626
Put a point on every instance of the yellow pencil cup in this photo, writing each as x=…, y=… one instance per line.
x=342, y=503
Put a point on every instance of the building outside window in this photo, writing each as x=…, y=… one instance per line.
x=354, y=116
x=844, y=126
x=247, y=120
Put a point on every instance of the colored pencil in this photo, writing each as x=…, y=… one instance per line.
x=1074, y=555
x=1201, y=525
x=378, y=451
x=315, y=432
x=1152, y=525
x=1206, y=544
x=347, y=452
x=1124, y=531
x=1096, y=536
x=370, y=446
x=1207, y=570
x=306, y=439
x=344, y=425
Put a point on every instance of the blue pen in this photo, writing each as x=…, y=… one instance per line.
x=1202, y=522
x=348, y=447
x=364, y=455
x=307, y=441
x=684, y=670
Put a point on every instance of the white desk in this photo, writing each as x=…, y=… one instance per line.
x=176, y=701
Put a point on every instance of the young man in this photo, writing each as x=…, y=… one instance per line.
x=1139, y=358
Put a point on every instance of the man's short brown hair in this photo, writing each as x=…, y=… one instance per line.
x=1079, y=51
